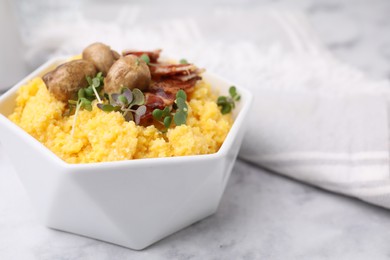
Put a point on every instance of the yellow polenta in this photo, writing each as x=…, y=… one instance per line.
x=100, y=136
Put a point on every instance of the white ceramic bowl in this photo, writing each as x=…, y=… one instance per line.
x=130, y=203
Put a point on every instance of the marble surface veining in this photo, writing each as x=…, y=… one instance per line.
x=262, y=215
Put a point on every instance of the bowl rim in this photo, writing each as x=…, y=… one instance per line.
x=246, y=96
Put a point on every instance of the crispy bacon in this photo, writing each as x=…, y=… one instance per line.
x=167, y=80
x=171, y=69
x=152, y=101
x=163, y=93
x=153, y=55
x=169, y=87
x=158, y=99
x=190, y=76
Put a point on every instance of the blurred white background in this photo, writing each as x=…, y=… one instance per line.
x=37, y=30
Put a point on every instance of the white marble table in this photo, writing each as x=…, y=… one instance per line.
x=262, y=215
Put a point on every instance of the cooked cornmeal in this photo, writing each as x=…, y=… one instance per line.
x=100, y=136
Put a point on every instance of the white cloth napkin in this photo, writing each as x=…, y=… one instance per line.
x=313, y=119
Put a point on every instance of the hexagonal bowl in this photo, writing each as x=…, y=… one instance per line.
x=131, y=203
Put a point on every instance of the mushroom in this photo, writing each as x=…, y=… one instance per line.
x=68, y=78
x=129, y=71
x=101, y=56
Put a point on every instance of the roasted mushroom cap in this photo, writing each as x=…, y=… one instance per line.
x=129, y=71
x=101, y=56
x=68, y=78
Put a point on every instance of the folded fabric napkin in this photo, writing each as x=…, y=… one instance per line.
x=313, y=119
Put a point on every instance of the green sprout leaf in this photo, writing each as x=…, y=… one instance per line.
x=145, y=58
x=96, y=82
x=122, y=100
x=106, y=107
x=86, y=104
x=233, y=91
x=81, y=93
x=157, y=114
x=181, y=103
x=138, y=97
x=221, y=100
x=226, y=109
x=89, y=80
x=183, y=61
x=128, y=94
x=180, y=118
x=141, y=110
x=181, y=94
x=167, y=121
x=89, y=92
x=227, y=104
x=166, y=111
x=94, y=86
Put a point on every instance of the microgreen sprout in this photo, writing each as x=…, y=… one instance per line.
x=181, y=114
x=183, y=61
x=233, y=93
x=227, y=104
x=95, y=86
x=145, y=58
x=163, y=116
x=179, y=111
x=85, y=96
x=81, y=102
x=129, y=102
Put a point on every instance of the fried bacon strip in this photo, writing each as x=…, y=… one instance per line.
x=167, y=88
x=171, y=69
x=162, y=93
x=153, y=55
x=191, y=76
x=167, y=80
x=152, y=101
